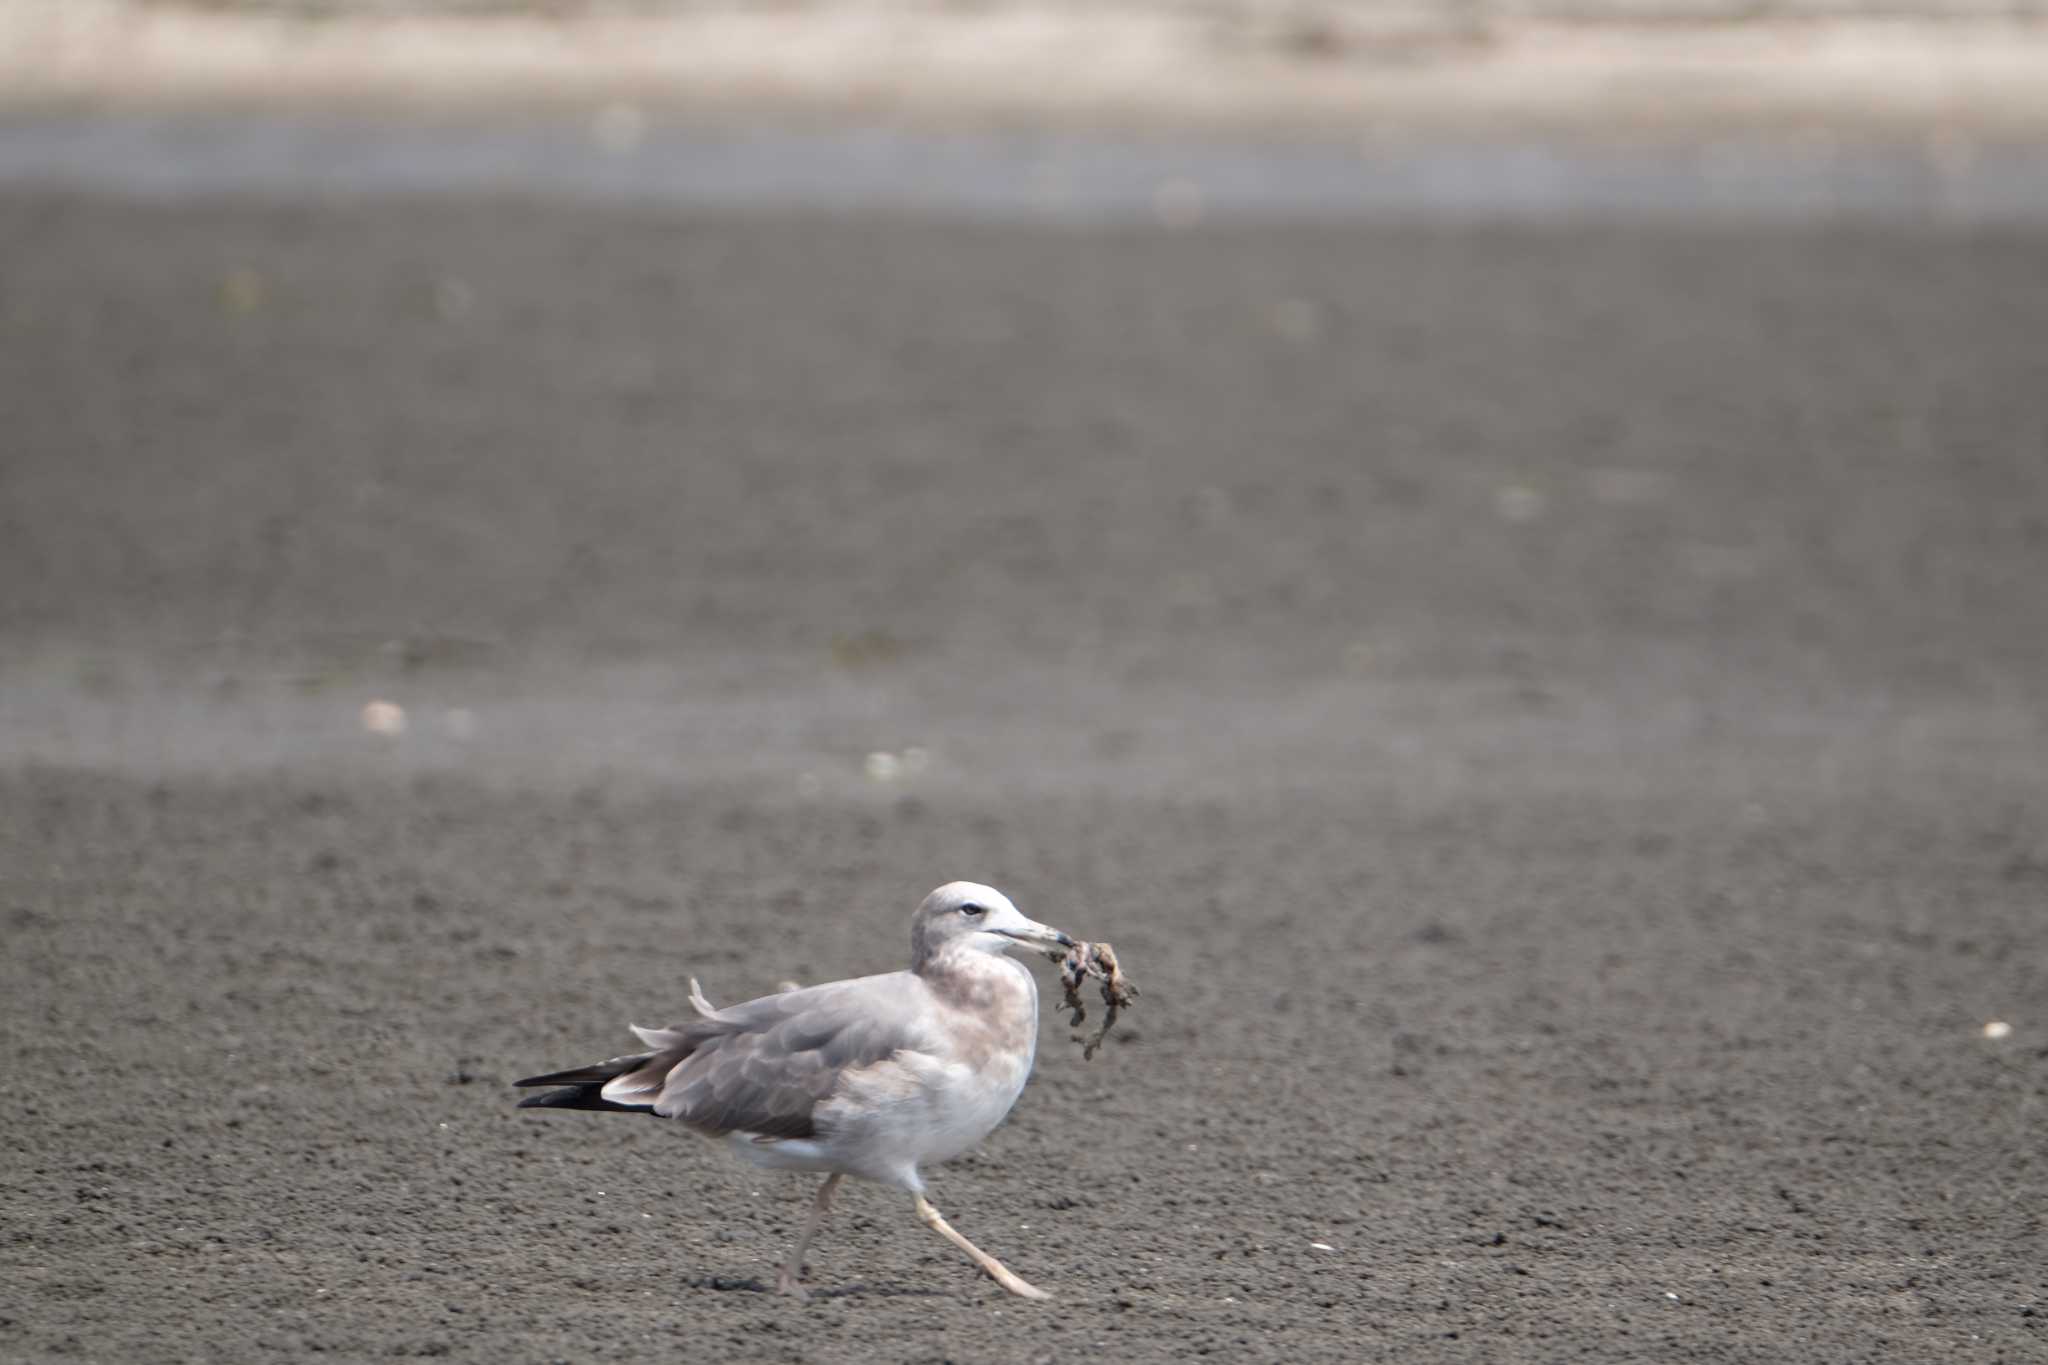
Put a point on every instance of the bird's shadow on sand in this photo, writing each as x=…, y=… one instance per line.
x=733, y=1284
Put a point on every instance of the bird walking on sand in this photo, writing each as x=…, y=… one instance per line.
x=873, y=1077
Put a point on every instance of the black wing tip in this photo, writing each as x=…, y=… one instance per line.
x=589, y=1075
x=552, y=1078
x=553, y=1099
x=580, y=1097
x=582, y=1075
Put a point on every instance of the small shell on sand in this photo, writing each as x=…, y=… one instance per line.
x=384, y=718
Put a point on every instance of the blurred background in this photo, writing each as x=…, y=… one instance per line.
x=1496, y=550
x=753, y=388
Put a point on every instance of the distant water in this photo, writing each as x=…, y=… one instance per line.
x=1064, y=177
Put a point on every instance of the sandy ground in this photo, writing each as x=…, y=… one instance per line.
x=1554, y=721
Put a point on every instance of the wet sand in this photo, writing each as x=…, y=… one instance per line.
x=1552, y=718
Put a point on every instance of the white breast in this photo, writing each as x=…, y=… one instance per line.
x=933, y=1103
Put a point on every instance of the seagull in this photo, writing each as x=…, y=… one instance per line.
x=873, y=1077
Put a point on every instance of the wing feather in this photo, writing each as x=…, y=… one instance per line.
x=773, y=1061
x=763, y=1067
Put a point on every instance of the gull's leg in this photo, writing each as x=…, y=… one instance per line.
x=785, y=1279
x=997, y=1271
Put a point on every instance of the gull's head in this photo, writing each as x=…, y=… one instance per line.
x=978, y=918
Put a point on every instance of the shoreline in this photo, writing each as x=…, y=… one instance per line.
x=621, y=155
x=1130, y=70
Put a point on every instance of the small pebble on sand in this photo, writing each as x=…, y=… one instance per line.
x=384, y=718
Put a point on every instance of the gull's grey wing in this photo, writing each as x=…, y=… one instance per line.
x=765, y=1066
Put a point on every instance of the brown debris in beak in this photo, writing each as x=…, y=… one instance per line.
x=1077, y=964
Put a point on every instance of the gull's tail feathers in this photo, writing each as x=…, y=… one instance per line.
x=631, y=1084
x=583, y=1087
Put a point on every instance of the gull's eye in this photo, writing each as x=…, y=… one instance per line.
x=973, y=911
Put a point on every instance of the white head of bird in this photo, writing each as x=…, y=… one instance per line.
x=970, y=917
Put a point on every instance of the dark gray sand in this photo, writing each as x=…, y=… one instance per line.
x=1553, y=720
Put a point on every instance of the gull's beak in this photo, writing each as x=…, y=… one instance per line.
x=1037, y=935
